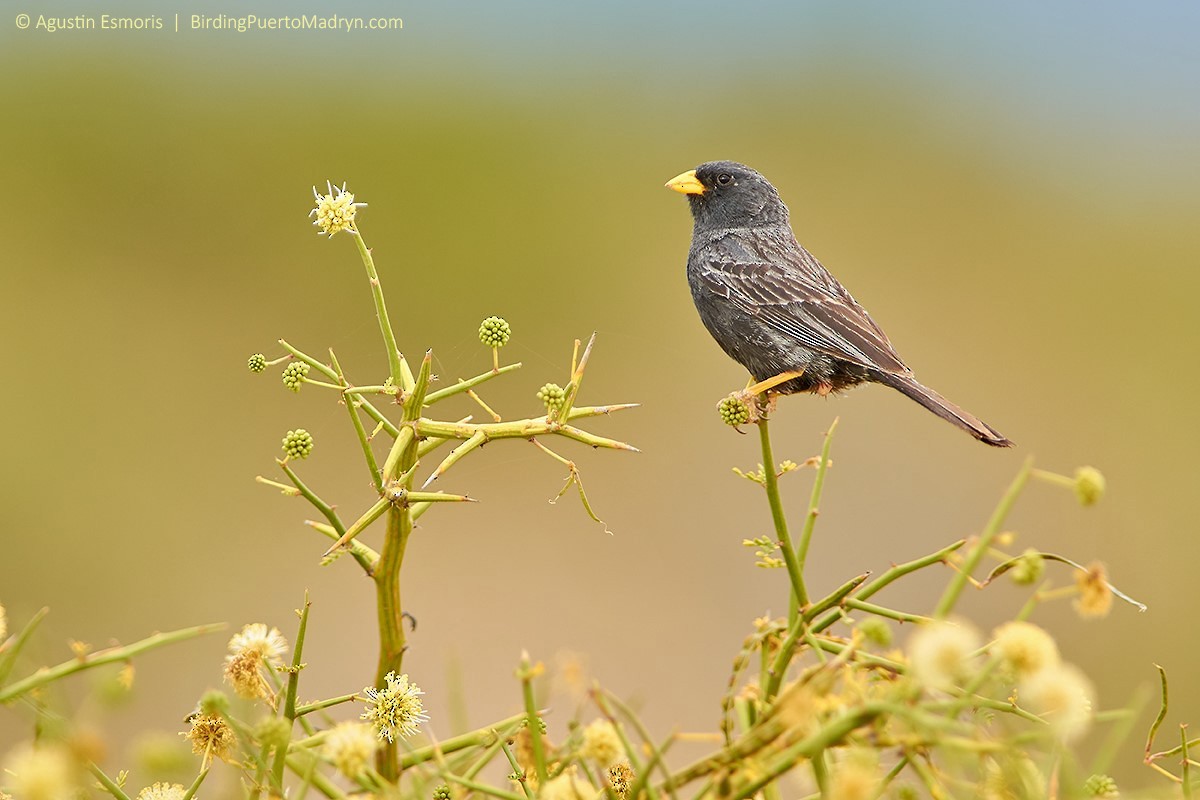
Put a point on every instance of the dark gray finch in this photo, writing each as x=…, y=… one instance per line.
x=775, y=310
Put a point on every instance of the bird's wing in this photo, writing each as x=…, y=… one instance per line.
x=783, y=285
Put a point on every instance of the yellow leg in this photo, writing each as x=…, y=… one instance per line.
x=754, y=389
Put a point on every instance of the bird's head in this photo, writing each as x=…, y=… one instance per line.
x=726, y=194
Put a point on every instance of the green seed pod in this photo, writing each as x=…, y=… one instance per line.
x=294, y=374
x=733, y=411
x=298, y=443
x=494, y=332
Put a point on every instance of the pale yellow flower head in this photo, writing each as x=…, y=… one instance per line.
x=163, y=791
x=350, y=746
x=335, y=211
x=1025, y=648
x=269, y=644
x=941, y=653
x=41, y=773
x=396, y=709
x=567, y=786
x=601, y=743
x=856, y=778
x=3, y=624
x=1062, y=695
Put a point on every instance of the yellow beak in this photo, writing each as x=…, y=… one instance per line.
x=687, y=183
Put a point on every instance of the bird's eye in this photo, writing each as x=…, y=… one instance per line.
x=724, y=179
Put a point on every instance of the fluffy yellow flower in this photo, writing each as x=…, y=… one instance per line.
x=396, y=709
x=163, y=791
x=335, y=211
x=1061, y=695
x=941, y=653
x=567, y=786
x=42, y=773
x=350, y=746
x=1025, y=647
x=601, y=743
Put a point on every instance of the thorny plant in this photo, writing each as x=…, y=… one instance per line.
x=819, y=703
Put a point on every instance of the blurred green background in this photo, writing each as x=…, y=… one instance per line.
x=1011, y=190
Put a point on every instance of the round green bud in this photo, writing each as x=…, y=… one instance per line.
x=733, y=411
x=257, y=362
x=298, y=443
x=876, y=631
x=441, y=792
x=1028, y=569
x=214, y=701
x=1101, y=786
x=274, y=731
x=494, y=332
x=1089, y=485
x=293, y=375
x=552, y=396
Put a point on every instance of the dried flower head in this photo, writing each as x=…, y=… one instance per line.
x=350, y=746
x=211, y=736
x=1095, y=595
x=252, y=650
x=41, y=773
x=335, y=211
x=620, y=778
x=601, y=743
x=1062, y=695
x=163, y=791
x=395, y=709
x=1025, y=648
x=1089, y=485
x=940, y=653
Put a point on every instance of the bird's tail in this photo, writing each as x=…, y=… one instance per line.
x=945, y=409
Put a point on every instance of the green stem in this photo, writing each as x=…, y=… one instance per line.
x=359, y=431
x=320, y=705
x=289, y=703
x=8, y=657
x=396, y=366
x=110, y=655
x=814, y=502
x=771, y=484
x=392, y=642
x=959, y=581
x=469, y=383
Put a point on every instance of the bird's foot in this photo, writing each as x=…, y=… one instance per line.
x=770, y=383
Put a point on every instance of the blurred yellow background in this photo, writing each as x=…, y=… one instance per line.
x=1012, y=192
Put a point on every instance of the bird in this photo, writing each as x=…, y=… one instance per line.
x=774, y=309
